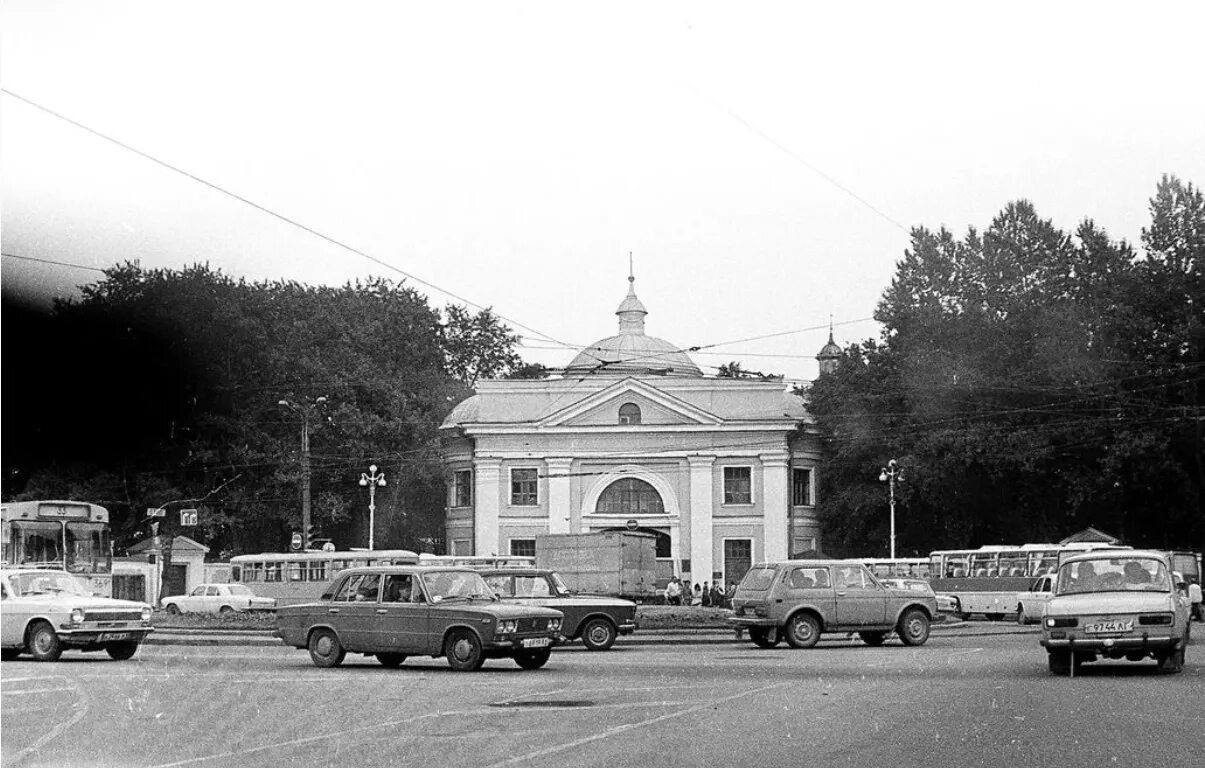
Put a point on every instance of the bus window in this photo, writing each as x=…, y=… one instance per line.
x=317, y=570
x=1042, y=563
x=272, y=572
x=37, y=542
x=1014, y=564
x=236, y=573
x=984, y=564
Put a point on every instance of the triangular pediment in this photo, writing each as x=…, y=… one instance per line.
x=656, y=407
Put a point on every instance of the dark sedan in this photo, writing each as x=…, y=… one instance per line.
x=392, y=612
x=596, y=619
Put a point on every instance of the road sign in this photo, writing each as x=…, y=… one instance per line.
x=295, y=543
x=188, y=517
x=632, y=525
x=156, y=512
x=328, y=547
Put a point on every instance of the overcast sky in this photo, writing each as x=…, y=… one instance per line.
x=763, y=162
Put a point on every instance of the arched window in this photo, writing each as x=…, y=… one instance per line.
x=630, y=496
x=629, y=413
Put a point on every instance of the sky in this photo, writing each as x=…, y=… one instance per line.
x=763, y=163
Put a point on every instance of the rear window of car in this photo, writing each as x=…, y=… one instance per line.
x=759, y=577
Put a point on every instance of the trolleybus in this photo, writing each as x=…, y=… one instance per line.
x=68, y=535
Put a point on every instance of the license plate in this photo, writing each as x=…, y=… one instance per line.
x=536, y=642
x=109, y=636
x=1105, y=627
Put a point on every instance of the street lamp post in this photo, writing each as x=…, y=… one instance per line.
x=889, y=474
x=372, y=480
x=306, y=411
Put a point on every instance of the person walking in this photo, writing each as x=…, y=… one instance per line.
x=706, y=594
x=673, y=592
x=698, y=596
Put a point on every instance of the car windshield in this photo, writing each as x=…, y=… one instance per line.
x=443, y=585
x=559, y=583
x=48, y=584
x=1114, y=574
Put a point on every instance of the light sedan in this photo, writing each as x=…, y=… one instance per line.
x=217, y=598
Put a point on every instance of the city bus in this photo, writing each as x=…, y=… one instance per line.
x=987, y=580
x=478, y=561
x=898, y=568
x=298, y=577
x=67, y=535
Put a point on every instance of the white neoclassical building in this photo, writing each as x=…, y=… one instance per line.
x=633, y=435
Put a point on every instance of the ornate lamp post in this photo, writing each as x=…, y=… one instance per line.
x=306, y=410
x=372, y=480
x=889, y=474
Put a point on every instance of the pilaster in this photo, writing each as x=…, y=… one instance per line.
x=487, y=474
x=775, y=502
x=559, y=500
x=702, y=496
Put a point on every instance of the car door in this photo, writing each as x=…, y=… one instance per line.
x=401, y=619
x=861, y=601
x=194, y=601
x=213, y=599
x=806, y=585
x=354, y=617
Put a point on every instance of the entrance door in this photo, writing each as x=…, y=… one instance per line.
x=738, y=559
x=175, y=579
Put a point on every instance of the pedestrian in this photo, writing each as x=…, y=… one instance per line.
x=673, y=591
x=706, y=594
x=717, y=596
x=698, y=596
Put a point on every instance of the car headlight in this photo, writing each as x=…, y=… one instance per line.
x=506, y=627
x=554, y=625
x=146, y=613
x=77, y=615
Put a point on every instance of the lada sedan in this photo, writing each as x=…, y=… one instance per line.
x=217, y=598
x=800, y=599
x=1117, y=605
x=44, y=611
x=596, y=619
x=392, y=612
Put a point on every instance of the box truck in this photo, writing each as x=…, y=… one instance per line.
x=620, y=563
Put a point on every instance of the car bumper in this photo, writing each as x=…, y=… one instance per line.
x=1110, y=643
x=86, y=637
x=744, y=622
x=507, y=646
x=628, y=628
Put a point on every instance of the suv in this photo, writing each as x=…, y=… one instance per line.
x=596, y=619
x=393, y=612
x=800, y=599
x=45, y=611
x=1118, y=604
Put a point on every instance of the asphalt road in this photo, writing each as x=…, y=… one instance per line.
x=965, y=700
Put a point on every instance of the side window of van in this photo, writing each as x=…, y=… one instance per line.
x=808, y=578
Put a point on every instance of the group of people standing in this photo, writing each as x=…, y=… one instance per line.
x=707, y=594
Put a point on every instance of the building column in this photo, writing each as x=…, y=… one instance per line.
x=775, y=502
x=702, y=495
x=559, y=510
x=486, y=476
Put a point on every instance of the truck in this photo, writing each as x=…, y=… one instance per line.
x=1188, y=565
x=618, y=563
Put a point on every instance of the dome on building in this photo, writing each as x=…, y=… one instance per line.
x=631, y=352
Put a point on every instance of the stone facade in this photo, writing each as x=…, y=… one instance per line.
x=722, y=471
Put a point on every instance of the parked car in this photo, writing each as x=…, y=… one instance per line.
x=597, y=620
x=45, y=611
x=1117, y=604
x=1031, y=603
x=800, y=599
x=217, y=598
x=393, y=612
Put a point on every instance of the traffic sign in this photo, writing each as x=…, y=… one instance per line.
x=328, y=547
x=188, y=517
x=296, y=541
x=156, y=512
x=632, y=525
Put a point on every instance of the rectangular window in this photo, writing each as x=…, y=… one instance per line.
x=738, y=559
x=801, y=488
x=523, y=488
x=523, y=547
x=462, y=488
x=738, y=485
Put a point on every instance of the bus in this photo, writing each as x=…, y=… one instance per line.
x=299, y=577
x=66, y=535
x=898, y=568
x=478, y=561
x=987, y=580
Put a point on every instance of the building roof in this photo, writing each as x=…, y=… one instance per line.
x=632, y=351
x=179, y=544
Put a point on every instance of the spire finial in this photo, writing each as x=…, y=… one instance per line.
x=830, y=328
x=631, y=270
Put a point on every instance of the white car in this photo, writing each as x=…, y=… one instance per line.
x=217, y=598
x=1032, y=603
x=44, y=611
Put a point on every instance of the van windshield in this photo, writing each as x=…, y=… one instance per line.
x=759, y=577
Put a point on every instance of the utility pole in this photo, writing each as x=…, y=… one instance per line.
x=306, y=410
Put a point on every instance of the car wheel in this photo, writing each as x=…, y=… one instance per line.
x=1059, y=662
x=803, y=630
x=122, y=651
x=173, y=609
x=533, y=659
x=8, y=654
x=873, y=639
x=1022, y=618
x=914, y=627
x=599, y=634
x=764, y=637
x=226, y=610
x=44, y=644
x=391, y=660
x=1173, y=662
x=463, y=650
x=325, y=648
